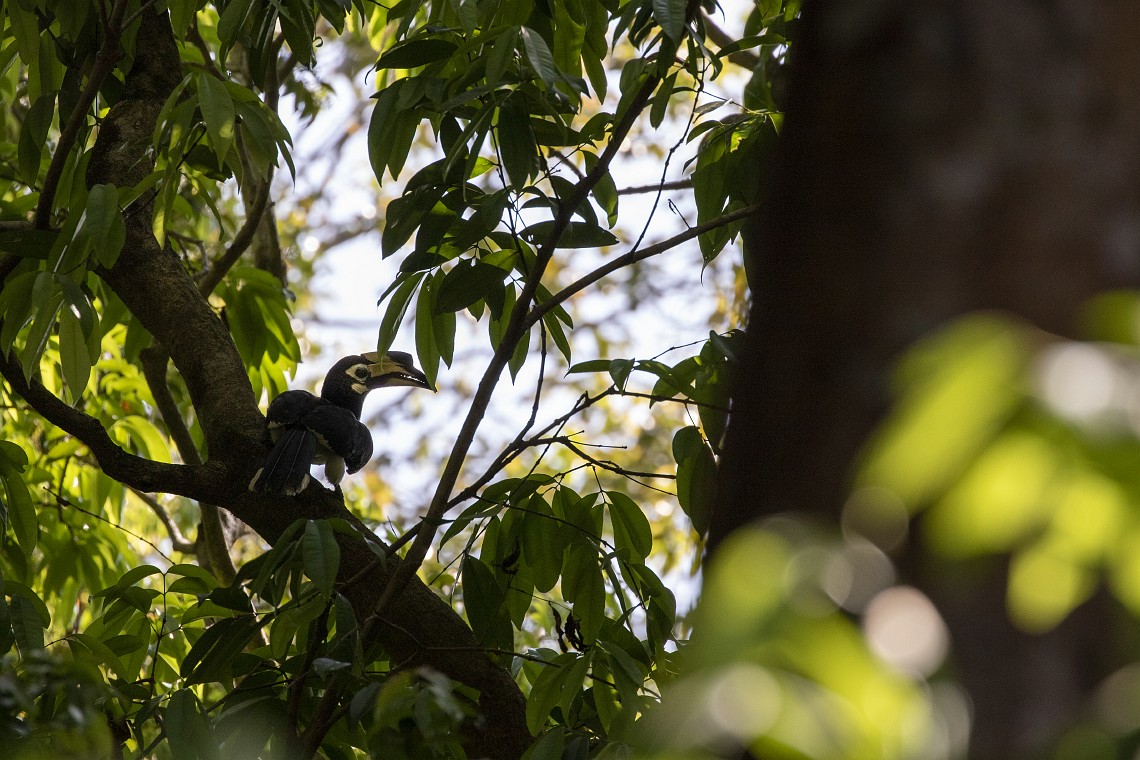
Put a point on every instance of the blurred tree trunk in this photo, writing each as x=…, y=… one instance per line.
x=937, y=158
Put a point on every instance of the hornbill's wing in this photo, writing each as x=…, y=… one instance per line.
x=339, y=433
x=290, y=407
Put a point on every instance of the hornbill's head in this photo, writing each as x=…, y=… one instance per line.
x=351, y=378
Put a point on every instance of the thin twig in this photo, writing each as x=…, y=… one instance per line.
x=632, y=257
x=178, y=541
x=680, y=184
x=605, y=464
x=62, y=500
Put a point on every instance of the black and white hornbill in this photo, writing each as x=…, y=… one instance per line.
x=326, y=429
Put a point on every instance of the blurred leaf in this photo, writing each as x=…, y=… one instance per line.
x=974, y=364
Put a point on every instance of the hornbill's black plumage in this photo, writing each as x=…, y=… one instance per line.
x=326, y=429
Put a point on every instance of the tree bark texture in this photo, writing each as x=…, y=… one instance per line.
x=937, y=158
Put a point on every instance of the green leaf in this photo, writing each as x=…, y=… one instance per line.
x=21, y=511
x=483, y=602
x=631, y=526
x=426, y=347
x=7, y=638
x=516, y=141
x=542, y=541
x=471, y=281
x=27, y=622
x=186, y=570
x=218, y=113
x=569, y=37
x=660, y=106
x=696, y=476
x=415, y=53
x=550, y=745
x=211, y=657
x=101, y=652
x=320, y=556
x=73, y=357
x=540, y=58
x=28, y=243
x=619, y=372
x=582, y=585
x=188, y=731
x=143, y=436
x=546, y=692
x=128, y=579
x=48, y=299
x=443, y=325
x=670, y=15
x=104, y=223
x=33, y=136
x=397, y=307
x=231, y=20
x=592, y=365
x=576, y=235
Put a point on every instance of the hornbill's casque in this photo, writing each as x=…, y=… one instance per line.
x=326, y=429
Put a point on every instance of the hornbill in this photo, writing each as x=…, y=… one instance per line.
x=326, y=429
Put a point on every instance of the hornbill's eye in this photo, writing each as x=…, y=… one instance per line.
x=360, y=372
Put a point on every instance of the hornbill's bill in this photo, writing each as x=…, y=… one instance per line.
x=326, y=429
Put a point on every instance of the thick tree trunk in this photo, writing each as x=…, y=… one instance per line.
x=937, y=158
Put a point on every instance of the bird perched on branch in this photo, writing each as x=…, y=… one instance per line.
x=326, y=429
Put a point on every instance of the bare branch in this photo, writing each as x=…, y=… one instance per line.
x=681, y=184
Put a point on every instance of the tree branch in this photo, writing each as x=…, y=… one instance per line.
x=213, y=542
x=516, y=330
x=105, y=61
x=213, y=274
x=681, y=184
x=129, y=469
